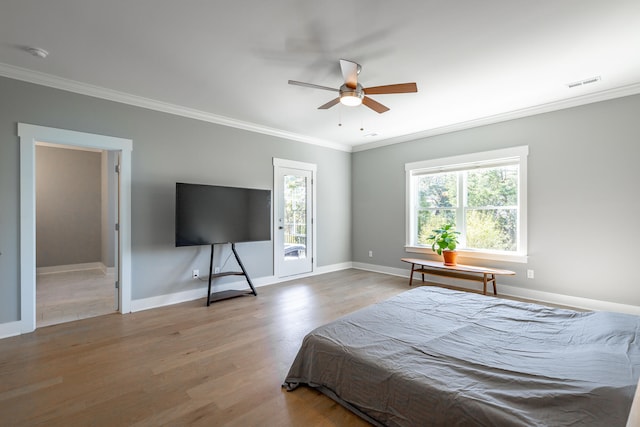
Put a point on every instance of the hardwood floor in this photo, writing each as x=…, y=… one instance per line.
x=184, y=364
x=73, y=295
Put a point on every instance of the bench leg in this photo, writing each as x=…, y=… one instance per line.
x=486, y=280
x=411, y=275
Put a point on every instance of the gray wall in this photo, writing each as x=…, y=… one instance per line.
x=582, y=183
x=583, y=201
x=166, y=149
x=68, y=206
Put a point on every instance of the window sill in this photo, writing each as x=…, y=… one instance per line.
x=465, y=253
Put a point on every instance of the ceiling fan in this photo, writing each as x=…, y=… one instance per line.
x=353, y=94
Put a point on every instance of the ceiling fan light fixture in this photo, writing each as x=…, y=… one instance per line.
x=351, y=98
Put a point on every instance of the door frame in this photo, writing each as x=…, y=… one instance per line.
x=30, y=135
x=292, y=164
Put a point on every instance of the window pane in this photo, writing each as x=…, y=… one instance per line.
x=477, y=192
x=438, y=191
x=429, y=220
x=493, y=187
x=494, y=229
x=295, y=217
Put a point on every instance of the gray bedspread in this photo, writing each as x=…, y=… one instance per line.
x=433, y=356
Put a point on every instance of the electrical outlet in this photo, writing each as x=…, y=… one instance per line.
x=529, y=274
x=195, y=274
x=216, y=270
x=370, y=254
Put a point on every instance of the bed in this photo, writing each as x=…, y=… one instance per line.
x=434, y=356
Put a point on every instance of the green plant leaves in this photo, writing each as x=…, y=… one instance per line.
x=445, y=238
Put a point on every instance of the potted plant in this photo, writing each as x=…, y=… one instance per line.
x=445, y=242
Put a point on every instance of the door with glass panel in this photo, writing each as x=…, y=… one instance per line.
x=294, y=222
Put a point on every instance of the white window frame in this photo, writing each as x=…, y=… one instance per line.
x=464, y=162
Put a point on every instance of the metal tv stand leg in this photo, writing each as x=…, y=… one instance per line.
x=218, y=296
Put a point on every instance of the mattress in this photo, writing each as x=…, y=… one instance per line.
x=434, y=356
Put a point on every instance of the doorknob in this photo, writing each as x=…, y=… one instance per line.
x=280, y=228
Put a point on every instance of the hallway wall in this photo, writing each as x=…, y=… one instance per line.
x=68, y=206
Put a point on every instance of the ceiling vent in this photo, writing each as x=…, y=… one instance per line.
x=584, y=82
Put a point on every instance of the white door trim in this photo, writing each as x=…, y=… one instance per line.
x=29, y=136
x=292, y=164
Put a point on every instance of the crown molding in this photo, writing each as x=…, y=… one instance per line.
x=577, y=101
x=56, y=82
x=49, y=80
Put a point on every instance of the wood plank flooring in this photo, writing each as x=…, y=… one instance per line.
x=184, y=364
x=73, y=295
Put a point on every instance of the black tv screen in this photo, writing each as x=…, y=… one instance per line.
x=211, y=214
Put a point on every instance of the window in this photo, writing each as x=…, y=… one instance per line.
x=483, y=194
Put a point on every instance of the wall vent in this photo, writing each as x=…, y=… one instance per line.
x=584, y=82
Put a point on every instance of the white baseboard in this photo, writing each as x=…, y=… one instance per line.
x=74, y=267
x=381, y=269
x=568, y=300
x=107, y=270
x=193, y=294
x=14, y=328
x=175, y=298
x=512, y=291
x=333, y=267
x=319, y=270
x=10, y=329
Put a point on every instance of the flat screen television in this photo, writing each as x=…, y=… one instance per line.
x=212, y=214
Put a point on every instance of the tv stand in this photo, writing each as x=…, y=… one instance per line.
x=233, y=293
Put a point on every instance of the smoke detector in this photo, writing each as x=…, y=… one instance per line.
x=37, y=52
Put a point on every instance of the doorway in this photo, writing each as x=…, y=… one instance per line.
x=76, y=240
x=294, y=214
x=30, y=135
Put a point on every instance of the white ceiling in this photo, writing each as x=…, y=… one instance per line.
x=229, y=62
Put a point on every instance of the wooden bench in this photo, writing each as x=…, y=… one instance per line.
x=485, y=275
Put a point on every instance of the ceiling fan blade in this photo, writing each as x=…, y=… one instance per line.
x=350, y=71
x=374, y=105
x=329, y=104
x=311, y=85
x=397, y=88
